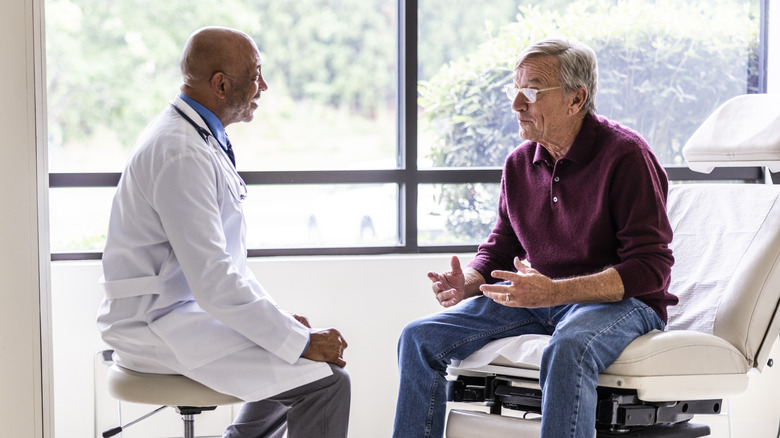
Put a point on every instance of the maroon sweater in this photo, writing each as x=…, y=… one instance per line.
x=601, y=205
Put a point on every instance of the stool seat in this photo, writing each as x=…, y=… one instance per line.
x=162, y=389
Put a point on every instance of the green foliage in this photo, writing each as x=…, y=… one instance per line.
x=115, y=64
x=341, y=53
x=451, y=29
x=663, y=68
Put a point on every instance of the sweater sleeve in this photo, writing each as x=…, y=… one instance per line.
x=638, y=193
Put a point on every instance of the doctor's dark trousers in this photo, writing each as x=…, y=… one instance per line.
x=319, y=409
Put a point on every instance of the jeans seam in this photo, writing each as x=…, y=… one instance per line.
x=431, y=407
x=579, y=399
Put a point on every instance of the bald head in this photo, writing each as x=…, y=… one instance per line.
x=221, y=70
x=214, y=49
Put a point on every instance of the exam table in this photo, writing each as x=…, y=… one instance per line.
x=727, y=276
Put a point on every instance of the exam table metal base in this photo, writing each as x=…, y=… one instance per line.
x=620, y=413
x=468, y=424
x=684, y=430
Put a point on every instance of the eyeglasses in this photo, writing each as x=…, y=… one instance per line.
x=528, y=93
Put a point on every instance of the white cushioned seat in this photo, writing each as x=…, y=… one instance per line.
x=162, y=389
x=679, y=353
x=670, y=353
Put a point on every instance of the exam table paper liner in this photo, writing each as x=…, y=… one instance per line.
x=525, y=349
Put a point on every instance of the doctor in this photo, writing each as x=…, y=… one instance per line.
x=179, y=297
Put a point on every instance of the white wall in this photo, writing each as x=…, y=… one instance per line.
x=24, y=408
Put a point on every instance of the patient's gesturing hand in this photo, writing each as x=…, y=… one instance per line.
x=527, y=288
x=449, y=287
x=326, y=346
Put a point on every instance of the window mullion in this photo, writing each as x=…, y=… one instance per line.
x=407, y=129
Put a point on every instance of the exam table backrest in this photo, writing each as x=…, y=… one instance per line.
x=727, y=263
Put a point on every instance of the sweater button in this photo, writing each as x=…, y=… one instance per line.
x=557, y=178
x=555, y=199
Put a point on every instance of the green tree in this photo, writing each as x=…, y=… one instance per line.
x=115, y=64
x=336, y=52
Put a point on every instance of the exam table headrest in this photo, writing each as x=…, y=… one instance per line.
x=743, y=132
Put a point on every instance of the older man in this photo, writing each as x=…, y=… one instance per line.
x=179, y=297
x=579, y=251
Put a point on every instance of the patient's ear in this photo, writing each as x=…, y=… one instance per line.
x=577, y=100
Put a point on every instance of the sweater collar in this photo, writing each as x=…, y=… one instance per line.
x=581, y=150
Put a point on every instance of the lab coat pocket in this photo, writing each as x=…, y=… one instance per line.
x=196, y=338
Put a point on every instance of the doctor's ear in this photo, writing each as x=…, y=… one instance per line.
x=218, y=83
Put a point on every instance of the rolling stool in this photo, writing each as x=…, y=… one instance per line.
x=187, y=397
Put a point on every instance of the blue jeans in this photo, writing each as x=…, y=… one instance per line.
x=586, y=339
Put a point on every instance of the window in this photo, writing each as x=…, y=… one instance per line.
x=385, y=127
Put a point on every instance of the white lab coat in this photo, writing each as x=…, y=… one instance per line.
x=178, y=295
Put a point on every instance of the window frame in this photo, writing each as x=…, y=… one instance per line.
x=408, y=177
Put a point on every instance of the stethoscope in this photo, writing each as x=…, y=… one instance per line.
x=241, y=191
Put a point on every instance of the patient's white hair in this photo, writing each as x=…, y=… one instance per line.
x=577, y=61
